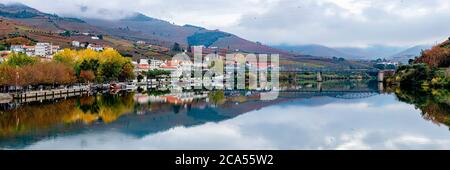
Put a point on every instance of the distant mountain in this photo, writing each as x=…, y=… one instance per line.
x=43, y=21
x=409, y=53
x=355, y=53
x=138, y=17
x=315, y=50
x=21, y=24
x=371, y=52
x=18, y=10
x=141, y=27
x=134, y=28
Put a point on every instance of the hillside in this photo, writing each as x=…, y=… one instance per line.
x=351, y=53
x=24, y=25
x=141, y=27
x=437, y=56
x=134, y=28
x=314, y=50
x=43, y=21
x=409, y=53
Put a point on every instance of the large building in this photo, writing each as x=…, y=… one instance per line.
x=43, y=49
x=40, y=49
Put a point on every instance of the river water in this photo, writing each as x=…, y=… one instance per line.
x=351, y=115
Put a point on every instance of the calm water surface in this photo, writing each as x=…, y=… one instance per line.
x=227, y=120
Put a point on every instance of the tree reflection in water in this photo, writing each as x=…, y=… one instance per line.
x=434, y=104
x=39, y=117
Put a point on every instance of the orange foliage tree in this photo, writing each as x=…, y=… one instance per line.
x=437, y=56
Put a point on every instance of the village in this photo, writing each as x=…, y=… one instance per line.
x=148, y=72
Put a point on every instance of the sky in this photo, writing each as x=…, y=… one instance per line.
x=335, y=23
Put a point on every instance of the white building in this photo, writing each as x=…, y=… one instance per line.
x=155, y=63
x=95, y=47
x=76, y=43
x=40, y=49
x=43, y=49
x=17, y=48
x=29, y=50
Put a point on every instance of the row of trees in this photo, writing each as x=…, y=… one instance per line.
x=108, y=65
x=67, y=67
x=41, y=73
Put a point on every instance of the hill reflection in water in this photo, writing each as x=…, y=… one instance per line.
x=136, y=120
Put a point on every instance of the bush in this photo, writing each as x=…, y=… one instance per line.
x=435, y=57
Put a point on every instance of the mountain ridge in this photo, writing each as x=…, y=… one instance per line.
x=123, y=35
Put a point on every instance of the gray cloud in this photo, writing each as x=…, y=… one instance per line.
x=396, y=23
x=328, y=22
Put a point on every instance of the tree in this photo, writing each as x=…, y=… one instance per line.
x=110, y=71
x=157, y=73
x=87, y=76
x=8, y=75
x=19, y=59
x=437, y=56
x=65, y=34
x=176, y=47
x=3, y=47
x=108, y=65
x=127, y=71
x=140, y=77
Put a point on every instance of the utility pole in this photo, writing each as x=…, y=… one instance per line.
x=17, y=79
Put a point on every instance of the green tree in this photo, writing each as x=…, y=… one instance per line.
x=19, y=59
x=110, y=71
x=127, y=71
x=176, y=47
x=157, y=73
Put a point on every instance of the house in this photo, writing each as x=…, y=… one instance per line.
x=155, y=63
x=43, y=49
x=17, y=48
x=95, y=47
x=84, y=44
x=141, y=42
x=143, y=65
x=55, y=49
x=40, y=49
x=29, y=50
x=75, y=43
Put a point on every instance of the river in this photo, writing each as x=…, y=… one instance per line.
x=334, y=115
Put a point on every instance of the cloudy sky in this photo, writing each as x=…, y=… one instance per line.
x=335, y=23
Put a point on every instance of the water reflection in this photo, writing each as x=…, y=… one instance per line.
x=434, y=107
x=329, y=115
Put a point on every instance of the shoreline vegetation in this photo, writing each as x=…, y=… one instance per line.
x=428, y=72
x=67, y=67
x=425, y=83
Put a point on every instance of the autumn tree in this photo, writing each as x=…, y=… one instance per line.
x=19, y=59
x=437, y=56
x=87, y=76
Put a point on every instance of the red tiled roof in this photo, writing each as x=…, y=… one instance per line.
x=169, y=67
